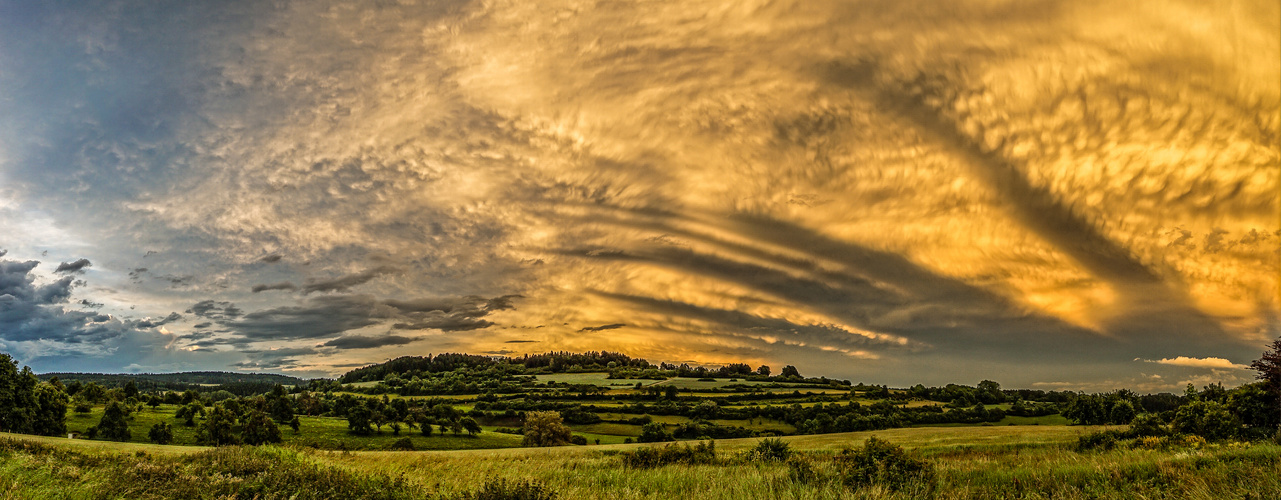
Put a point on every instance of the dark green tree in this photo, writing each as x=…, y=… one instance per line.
x=18, y=402
x=654, y=432
x=114, y=424
x=50, y=417
x=130, y=390
x=358, y=420
x=1122, y=412
x=790, y=371
x=218, y=429
x=161, y=433
x=258, y=428
x=1207, y=419
x=470, y=425
x=295, y=424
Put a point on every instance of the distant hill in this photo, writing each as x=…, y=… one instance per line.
x=176, y=381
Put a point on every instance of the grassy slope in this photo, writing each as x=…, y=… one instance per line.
x=973, y=462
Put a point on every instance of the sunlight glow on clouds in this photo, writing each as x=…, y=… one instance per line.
x=1036, y=192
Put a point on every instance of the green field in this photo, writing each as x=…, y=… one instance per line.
x=971, y=462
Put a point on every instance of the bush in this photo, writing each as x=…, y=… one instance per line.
x=502, y=489
x=402, y=444
x=578, y=440
x=1147, y=424
x=650, y=457
x=880, y=463
x=802, y=469
x=1102, y=440
x=770, y=450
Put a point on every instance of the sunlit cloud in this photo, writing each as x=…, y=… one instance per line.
x=865, y=188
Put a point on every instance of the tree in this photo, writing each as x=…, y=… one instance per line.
x=654, y=432
x=763, y=370
x=1269, y=367
x=218, y=427
x=50, y=416
x=790, y=371
x=545, y=428
x=259, y=429
x=1122, y=412
x=130, y=390
x=470, y=425
x=161, y=433
x=1207, y=419
x=295, y=424
x=113, y=425
x=358, y=420
x=17, y=396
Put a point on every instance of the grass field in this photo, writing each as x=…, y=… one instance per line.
x=971, y=462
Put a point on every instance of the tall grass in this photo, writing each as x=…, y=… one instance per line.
x=969, y=463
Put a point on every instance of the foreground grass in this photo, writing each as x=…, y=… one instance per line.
x=974, y=462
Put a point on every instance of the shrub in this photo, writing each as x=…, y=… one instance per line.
x=645, y=458
x=880, y=463
x=1152, y=442
x=802, y=469
x=578, y=440
x=1102, y=440
x=1147, y=424
x=403, y=444
x=502, y=489
x=770, y=450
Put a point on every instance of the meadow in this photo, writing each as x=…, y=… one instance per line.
x=971, y=463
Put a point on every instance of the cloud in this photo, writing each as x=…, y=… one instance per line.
x=150, y=323
x=284, y=285
x=273, y=258
x=36, y=315
x=73, y=267
x=213, y=309
x=1198, y=362
x=342, y=283
x=612, y=326
x=366, y=342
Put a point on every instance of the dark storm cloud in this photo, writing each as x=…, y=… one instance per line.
x=317, y=317
x=328, y=315
x=273, y=258
x=284, y=285
x=366, y=342
x=457, y=314
x=613, y=326
x=342, y=283
x=73, y=267
x=31, y=312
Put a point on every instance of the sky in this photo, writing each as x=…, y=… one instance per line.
x=1050, y=194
